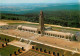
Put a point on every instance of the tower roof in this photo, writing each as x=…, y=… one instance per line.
x=41, y=12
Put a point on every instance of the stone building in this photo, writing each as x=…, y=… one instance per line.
x=41, y=30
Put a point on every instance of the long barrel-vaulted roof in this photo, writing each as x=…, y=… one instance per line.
x=29, y=28
x=59, y=33
x=50, y=32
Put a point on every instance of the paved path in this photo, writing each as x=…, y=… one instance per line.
x=20, y=44
x=3, y=23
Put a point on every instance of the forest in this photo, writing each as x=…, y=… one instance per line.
x=63, y=18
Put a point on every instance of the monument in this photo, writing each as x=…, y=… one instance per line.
x=41, y=30
x=41, y=24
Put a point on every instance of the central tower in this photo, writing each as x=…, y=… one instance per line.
x=41, y=23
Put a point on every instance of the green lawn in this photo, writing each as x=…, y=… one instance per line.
x=21, y=24
x=1, y=41
x=51, y=49
x=26, y=24
x=7, y=37
x=65, y=29
x=6, y=51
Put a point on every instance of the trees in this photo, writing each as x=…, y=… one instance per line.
x=63, y=18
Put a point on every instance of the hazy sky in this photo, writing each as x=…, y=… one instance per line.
x=39, y=1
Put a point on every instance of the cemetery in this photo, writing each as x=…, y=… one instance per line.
x=7, y=49
x=51, y=51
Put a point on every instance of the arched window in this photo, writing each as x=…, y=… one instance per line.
x=41, y=49
x=57, y=54
x=66, y=37
x=53, y=53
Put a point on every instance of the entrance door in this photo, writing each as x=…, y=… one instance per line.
x=39, y=32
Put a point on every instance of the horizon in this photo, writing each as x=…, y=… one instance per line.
x=39, y=1
x=1, y=4
x=35, y=3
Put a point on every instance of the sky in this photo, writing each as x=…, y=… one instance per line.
x=39, y=1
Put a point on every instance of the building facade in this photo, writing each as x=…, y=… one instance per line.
x=41, y=30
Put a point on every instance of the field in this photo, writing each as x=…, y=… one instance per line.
x=3, y=37
x=1, y=42
x=6, y=51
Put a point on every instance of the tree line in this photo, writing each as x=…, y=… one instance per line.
x=63, y=18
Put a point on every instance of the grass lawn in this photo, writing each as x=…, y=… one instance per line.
x=21, y=24
x=7, y=37
x=65, y=29
x=51, y=49
x=6, y=51
x=1, y=42
x=24, y=24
